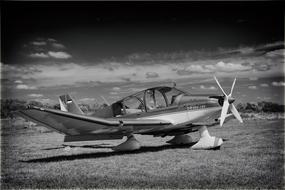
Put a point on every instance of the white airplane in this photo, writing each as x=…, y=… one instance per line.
x=159, y=111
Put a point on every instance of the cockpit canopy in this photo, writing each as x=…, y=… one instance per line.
x=148, y=100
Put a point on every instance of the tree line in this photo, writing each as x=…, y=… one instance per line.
x=260, y=107
x=8, y=106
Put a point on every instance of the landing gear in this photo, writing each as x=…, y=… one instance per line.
x=206, y=141
x=180, y=140
x=129, y=145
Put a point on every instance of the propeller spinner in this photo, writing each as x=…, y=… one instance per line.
x=228, y=103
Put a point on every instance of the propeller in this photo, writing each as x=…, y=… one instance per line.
x=228, y=103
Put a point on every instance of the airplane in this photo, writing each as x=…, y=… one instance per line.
x=158, y=111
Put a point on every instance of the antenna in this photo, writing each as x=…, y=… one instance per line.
x=105, y=100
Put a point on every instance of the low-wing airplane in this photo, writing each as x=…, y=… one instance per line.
x=159, y=111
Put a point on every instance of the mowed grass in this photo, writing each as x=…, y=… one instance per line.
x=252, y=156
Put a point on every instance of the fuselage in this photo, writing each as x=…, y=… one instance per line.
x=166, y=103
x=160, y=111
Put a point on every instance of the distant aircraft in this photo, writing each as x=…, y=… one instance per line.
x=159, y=111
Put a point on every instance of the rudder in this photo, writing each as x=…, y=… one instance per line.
x=68, y=104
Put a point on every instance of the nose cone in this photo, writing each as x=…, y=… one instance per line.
x=231, y=100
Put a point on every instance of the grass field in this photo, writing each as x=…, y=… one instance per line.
x=252, y=156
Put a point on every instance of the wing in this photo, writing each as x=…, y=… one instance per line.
x=74, y=124
x=81, y=127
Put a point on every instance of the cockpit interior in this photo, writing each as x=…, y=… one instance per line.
x=148, y=100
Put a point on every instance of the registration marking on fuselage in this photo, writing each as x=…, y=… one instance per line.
x=195, y=107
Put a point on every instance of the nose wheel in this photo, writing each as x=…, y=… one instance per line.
x=206, y=141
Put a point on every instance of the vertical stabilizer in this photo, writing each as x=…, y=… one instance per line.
x=68, y=104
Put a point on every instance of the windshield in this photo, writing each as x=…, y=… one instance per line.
x=133, y=104
x=152, y=99
x=172, y=95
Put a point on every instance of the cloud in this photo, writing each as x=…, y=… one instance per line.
x=164, y=66
x=126, y=79
x=264, y=85
x=49, y=73
x=275, y=53
x=116, y=88
x=212, y=68
x=35, y=95
x=263, y=98
x=45, y=100
x=181, y=56
x=228, y=67
x=18, y=82
x=39, y=43
x=87, y=100
x=51, y=40
x=20, y=71
x=252, y=87
x=112, y=66
x=151, y=75
x=43, y=48
x=198, y=69
x=59, y=55
x=114, y=93
x=280, y=83
x=58, y=46
x=39, y=55
x=270, y=47
x=207, y=88
x=246, y=50
x=139, y=57
x=183, y=72
x=261, y=66
x=253, y=78
x=25, y=87
x=135, y=89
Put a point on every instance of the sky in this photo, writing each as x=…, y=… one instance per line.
x=114, y=49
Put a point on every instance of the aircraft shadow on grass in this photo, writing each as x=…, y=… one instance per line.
x=95, y=155
x=102, y=145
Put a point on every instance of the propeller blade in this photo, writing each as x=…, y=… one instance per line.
x=235, y=113
x=233, y=85
x=220, y=85
x=224, y=112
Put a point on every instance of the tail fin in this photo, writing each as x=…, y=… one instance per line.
x=68, y=104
